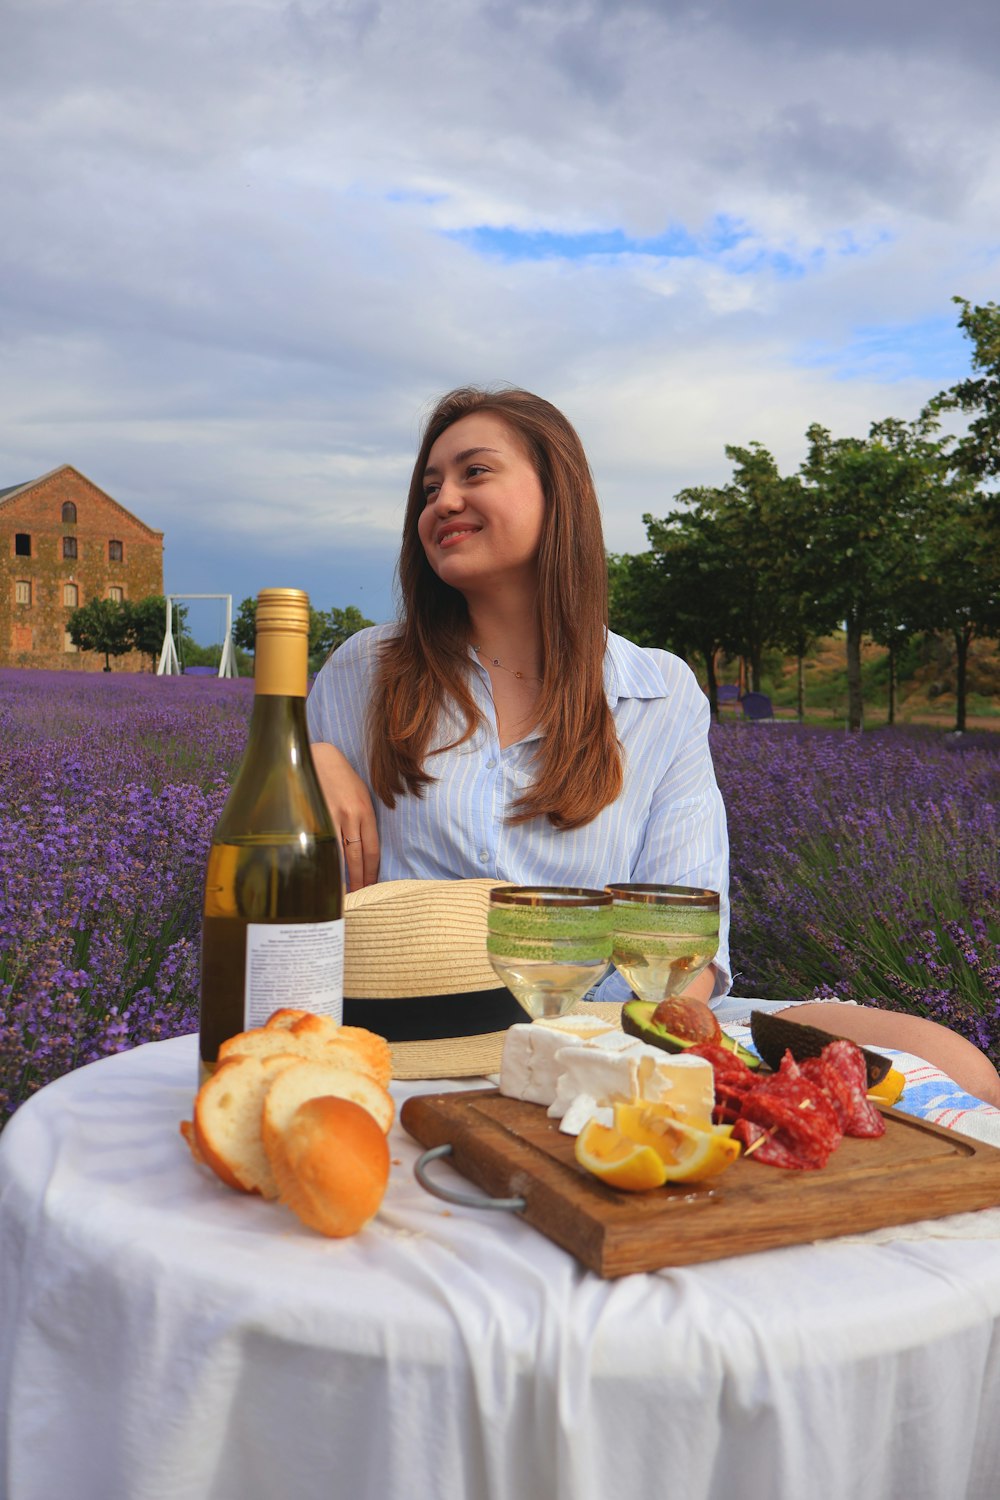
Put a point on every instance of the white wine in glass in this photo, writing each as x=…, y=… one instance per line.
x=664, y=935
x=549, y=944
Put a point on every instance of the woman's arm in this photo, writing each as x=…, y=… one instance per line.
x=352, y=811
x=336, y=711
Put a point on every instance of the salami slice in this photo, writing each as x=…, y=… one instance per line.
x=772, y=1151
x=845, y=1070
x=798, y=1113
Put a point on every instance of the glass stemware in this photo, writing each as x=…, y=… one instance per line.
x=663, y=936
x=549, y=944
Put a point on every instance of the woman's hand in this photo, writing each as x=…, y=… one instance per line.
x=351, y=808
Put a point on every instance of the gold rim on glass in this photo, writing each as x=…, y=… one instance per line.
x=548, y=895
x=665, y=895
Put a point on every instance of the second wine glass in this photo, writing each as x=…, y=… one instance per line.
x=664, y=935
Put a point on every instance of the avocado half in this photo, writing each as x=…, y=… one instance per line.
x=637, y=1020
x=774, y=1034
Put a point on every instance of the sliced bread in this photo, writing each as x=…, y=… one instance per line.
x=227, y=1121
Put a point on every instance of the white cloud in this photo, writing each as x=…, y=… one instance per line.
x=229, y=283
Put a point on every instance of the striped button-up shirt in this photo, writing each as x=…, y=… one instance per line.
x=668, y=825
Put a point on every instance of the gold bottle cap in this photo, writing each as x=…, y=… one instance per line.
x=283, y=610
x=282, y=647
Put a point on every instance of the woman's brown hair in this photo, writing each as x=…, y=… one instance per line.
x=426, y=665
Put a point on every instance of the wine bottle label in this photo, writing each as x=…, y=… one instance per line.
x=296, y=964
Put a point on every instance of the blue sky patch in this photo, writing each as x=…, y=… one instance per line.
x=931, y=349
x=726, y=240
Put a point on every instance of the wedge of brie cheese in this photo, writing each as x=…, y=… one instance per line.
x=579, y=1072
x=529, y=1070
x=591, y=1083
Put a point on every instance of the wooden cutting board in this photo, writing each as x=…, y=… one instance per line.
x=512, y=1149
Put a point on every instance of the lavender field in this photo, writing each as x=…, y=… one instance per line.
x=862, y=866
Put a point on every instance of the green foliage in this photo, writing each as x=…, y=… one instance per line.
x=338, y=625
x=327, y=630
x=887, y=535
x=102, y=625
x=245, y=624
x=149, y=622
x=115, y=627
x=977, y=453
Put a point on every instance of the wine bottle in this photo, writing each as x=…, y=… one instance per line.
x=273, y=932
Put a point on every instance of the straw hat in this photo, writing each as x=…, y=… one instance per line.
x=416, y=971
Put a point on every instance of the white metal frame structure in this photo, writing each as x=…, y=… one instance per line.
x=169, y=666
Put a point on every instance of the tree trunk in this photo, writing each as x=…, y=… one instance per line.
x=855, y=702
x=892, y=682
x=963, y=639
x=801, y=666
x=713, y=685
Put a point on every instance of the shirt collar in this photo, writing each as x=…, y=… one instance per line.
x=630, y=671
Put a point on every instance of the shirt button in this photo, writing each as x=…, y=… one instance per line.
x=491, y=765
x=484, y=855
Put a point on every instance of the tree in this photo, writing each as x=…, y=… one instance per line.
x=735, y=566
x=245, y=624
x=961, y=588
x=977, y=453
x=338, y=625
x=867, y=504
x=148, y=619
x=636, y=589
x=687, y=590
x=770, y=592
x=964, y=584
x=102, y=625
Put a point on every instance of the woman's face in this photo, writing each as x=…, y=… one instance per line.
x=482, y=519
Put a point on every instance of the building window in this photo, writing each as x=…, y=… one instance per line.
x=116, y=594
x=115, y=551
x=68, y=641
x=69, y=513
x=22, y=591
x=22, y=544
x=71, y=595
x=69, y=546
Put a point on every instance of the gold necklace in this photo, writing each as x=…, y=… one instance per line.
x=496, y=662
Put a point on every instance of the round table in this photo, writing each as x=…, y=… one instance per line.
x=161, y=1336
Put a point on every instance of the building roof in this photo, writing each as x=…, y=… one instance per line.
x=15, y=491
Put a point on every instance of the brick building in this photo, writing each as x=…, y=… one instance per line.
x=64, y=542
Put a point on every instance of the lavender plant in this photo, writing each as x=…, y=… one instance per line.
x=109, y=790
x=867, y=867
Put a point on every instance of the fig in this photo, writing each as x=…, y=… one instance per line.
x=691, y=1020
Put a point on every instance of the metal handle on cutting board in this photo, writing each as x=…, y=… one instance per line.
x=450, y=1195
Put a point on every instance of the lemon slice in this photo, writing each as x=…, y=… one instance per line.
x=688, y=1154
x=618, y=1161
x=889, y=1090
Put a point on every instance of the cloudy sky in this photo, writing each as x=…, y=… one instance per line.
x=246, y=243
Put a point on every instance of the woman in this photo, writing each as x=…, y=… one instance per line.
x=499, y=729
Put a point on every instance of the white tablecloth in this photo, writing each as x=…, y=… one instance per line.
x=162, y=1337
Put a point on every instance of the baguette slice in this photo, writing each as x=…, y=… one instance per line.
x=305, y=1022
x=277, y=1043
x=286, y=1017
x=227, y=1121
x=370, y=1046
x=314, y=1080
